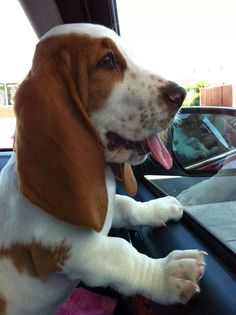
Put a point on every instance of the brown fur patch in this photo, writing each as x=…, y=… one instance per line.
x=102, y=80
x=37, y=260
x=81, y=55
x=124, y=173
x=66, y=84
x=3, y=306
x=52, y=107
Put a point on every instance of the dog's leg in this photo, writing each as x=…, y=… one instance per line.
x=128, y=212
x=105, y=261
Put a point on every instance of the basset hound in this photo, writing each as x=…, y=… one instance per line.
x=85, y=113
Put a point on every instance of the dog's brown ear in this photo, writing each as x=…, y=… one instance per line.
x=129, y=180
x=60, y=162
x=124, y=173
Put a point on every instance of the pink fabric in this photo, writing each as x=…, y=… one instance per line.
x=85, y=302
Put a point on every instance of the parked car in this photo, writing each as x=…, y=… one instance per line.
x=204, y=138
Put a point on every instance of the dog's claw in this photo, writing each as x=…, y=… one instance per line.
x=197, y=289
x=162, y=223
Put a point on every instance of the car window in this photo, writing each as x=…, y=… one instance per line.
x=193, y=43
x=207, y=155
x=17, y=46
x=200, y=138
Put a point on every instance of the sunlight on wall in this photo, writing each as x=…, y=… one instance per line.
x=18, y=42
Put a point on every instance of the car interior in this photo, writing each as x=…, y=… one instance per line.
x=218, y=285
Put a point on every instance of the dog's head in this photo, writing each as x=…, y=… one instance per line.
x=84, y=99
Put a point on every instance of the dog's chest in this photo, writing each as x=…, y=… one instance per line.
x=57, y=287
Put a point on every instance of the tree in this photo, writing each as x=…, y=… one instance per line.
x=193, y=93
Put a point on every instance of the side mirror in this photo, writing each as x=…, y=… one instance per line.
x=204, y=138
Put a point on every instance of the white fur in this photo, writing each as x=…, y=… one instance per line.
x=93, y=30
x=96, y=259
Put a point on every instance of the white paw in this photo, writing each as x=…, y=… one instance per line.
x=181, y=272
x=165, y=209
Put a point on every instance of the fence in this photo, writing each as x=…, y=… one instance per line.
x=223, y=95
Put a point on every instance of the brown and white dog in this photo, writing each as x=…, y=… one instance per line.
x=84, y=107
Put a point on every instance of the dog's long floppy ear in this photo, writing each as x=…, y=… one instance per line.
x=124, y=173
x=60, y=162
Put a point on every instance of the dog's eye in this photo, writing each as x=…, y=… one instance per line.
x=108, y=61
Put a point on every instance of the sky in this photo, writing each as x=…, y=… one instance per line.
x=183, y=40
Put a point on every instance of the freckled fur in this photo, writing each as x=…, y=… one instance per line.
x=133, y=75
x=148, y=98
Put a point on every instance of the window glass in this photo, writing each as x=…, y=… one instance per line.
x=18, y=41
x=193, y=43
x=201, y=138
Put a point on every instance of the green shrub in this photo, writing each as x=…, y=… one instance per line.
x=193, y=93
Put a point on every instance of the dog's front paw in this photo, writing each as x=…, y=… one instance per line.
x=165, y=209
x=181, y=272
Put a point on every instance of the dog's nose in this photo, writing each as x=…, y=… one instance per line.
x=174, y=94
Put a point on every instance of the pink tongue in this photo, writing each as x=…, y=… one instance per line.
x=159, y=152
